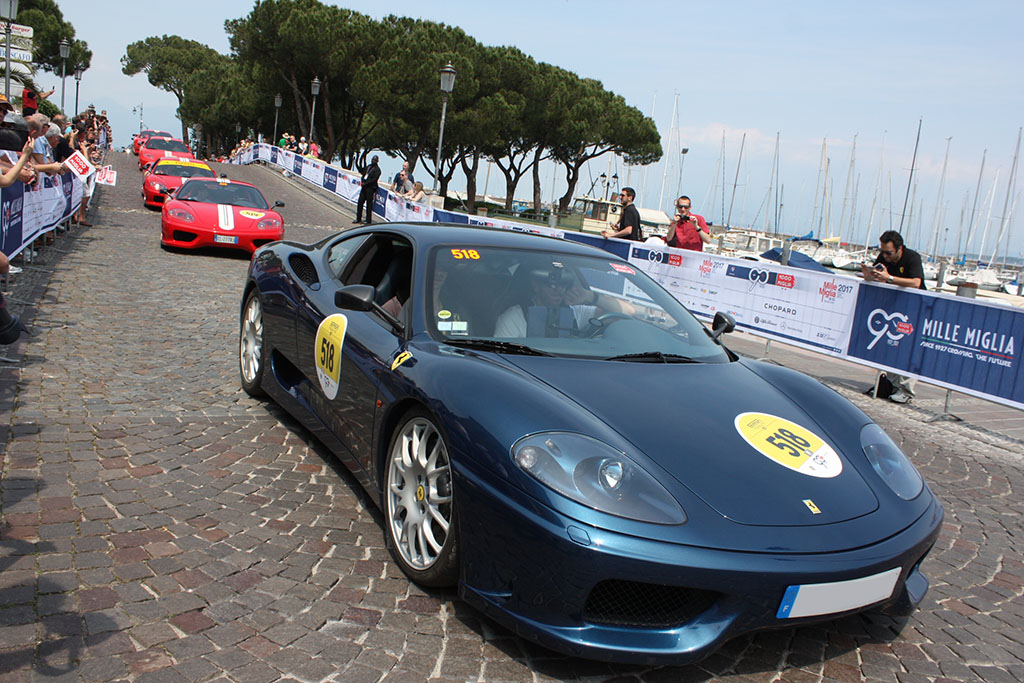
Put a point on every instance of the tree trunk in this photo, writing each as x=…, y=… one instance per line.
x=471, y=171
x=572, y=174
x=538, y=199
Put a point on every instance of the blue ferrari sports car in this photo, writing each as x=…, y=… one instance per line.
x=546, y=428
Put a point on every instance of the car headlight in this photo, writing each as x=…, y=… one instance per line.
x=892, y=465
x=594, y=474
x=268, y=223
x=181, y=214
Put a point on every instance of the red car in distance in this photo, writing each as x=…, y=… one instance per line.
x=139, y=139
x=166, y=175
x=217, y=212
x=155, y=148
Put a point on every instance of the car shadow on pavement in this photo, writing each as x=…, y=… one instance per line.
x=219, y=252
x=40, y=627
x=805, y=648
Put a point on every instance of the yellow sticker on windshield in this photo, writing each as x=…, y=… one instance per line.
x=789, y=444
x=252, y=214
x=330, y=338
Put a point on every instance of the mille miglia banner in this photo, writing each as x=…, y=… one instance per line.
x=964, y=344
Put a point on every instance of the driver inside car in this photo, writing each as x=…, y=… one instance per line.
x=551, y=301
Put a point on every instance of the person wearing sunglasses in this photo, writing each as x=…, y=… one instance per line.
x=897, y=265
x=688, y=230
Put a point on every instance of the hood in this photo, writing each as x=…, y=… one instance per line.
x=229, y=217
x=684, y=418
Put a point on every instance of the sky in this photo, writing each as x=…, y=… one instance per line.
x=805, y=73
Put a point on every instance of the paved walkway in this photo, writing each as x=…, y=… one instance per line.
x=158, y=525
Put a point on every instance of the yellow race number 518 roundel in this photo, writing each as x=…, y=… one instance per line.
x=330, y=337
x=789, y=444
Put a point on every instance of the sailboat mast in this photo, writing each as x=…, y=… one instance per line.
x=874, y=198
x=913, y=161
x=846, y=191
x=735, y=180
x=675, y=113
x=938, y=204
x=817, y=187
x=990, y=199
x=1010, y=184
x=643, y=182
x=771, y=180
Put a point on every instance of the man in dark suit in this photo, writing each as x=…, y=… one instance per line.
x=369, y=189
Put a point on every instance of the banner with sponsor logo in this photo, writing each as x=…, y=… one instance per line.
x=967, y=345
x=28, y=212
x=802, y=307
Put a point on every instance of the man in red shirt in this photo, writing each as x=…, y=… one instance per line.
x=689, y=230
x=30, y=100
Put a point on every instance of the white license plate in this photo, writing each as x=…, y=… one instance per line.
x=225, y=239
x=813, y=599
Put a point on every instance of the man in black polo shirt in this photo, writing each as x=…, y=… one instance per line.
x=901, y=266
x=628, y=227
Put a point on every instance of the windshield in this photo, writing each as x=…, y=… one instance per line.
x=167, y=145
x=222, y=193
x=559, y=304
x=184, y=170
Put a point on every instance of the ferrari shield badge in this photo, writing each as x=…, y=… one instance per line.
x=789, y=444
x=330, y=337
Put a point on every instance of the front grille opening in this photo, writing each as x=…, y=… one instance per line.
x=304, y=268
x=183, y=236
x=645, y=605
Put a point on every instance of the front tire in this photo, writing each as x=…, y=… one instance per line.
x=419, y=507
x=252, y=356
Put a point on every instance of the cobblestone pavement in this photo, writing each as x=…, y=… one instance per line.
x=159, y=525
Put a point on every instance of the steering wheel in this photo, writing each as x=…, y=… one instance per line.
x=598, y=324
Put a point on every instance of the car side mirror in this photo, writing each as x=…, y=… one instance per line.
x=355, y=298
x=722, y=324
x=163, y=190
x=361, y=298
x=278, y=203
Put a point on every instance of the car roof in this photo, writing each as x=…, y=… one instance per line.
x=427, y=235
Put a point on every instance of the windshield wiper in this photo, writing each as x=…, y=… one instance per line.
x=654, y=357
x=499, y=346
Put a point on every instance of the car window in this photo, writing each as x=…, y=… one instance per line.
x=234, y=194
x=167, y=145
x=180, y=170
x=383, y=261
x=563, y=304
x=339, y=252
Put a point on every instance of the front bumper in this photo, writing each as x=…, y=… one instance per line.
x=598, y=594
x=185, y=235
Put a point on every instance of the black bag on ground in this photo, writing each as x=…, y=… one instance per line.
x=885, y=387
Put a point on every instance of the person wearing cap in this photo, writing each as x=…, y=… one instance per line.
x=44, y=161
x=4, y=104
x=30, y=100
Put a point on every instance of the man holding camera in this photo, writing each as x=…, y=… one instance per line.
x=628, y=225
x=688, y=230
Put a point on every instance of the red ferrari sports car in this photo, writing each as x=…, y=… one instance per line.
x=167, y=175
x=217, y=212
x=155, y=148
x=140, y=139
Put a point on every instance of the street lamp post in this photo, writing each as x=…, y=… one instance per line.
x=65, y=49
x=277, y=110
x=314, y=87
x=138, y=110
x=78, y=82
x=447, y=84
x=8, y=10
x=682, y=160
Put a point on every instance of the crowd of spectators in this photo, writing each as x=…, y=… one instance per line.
x=32, y=145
